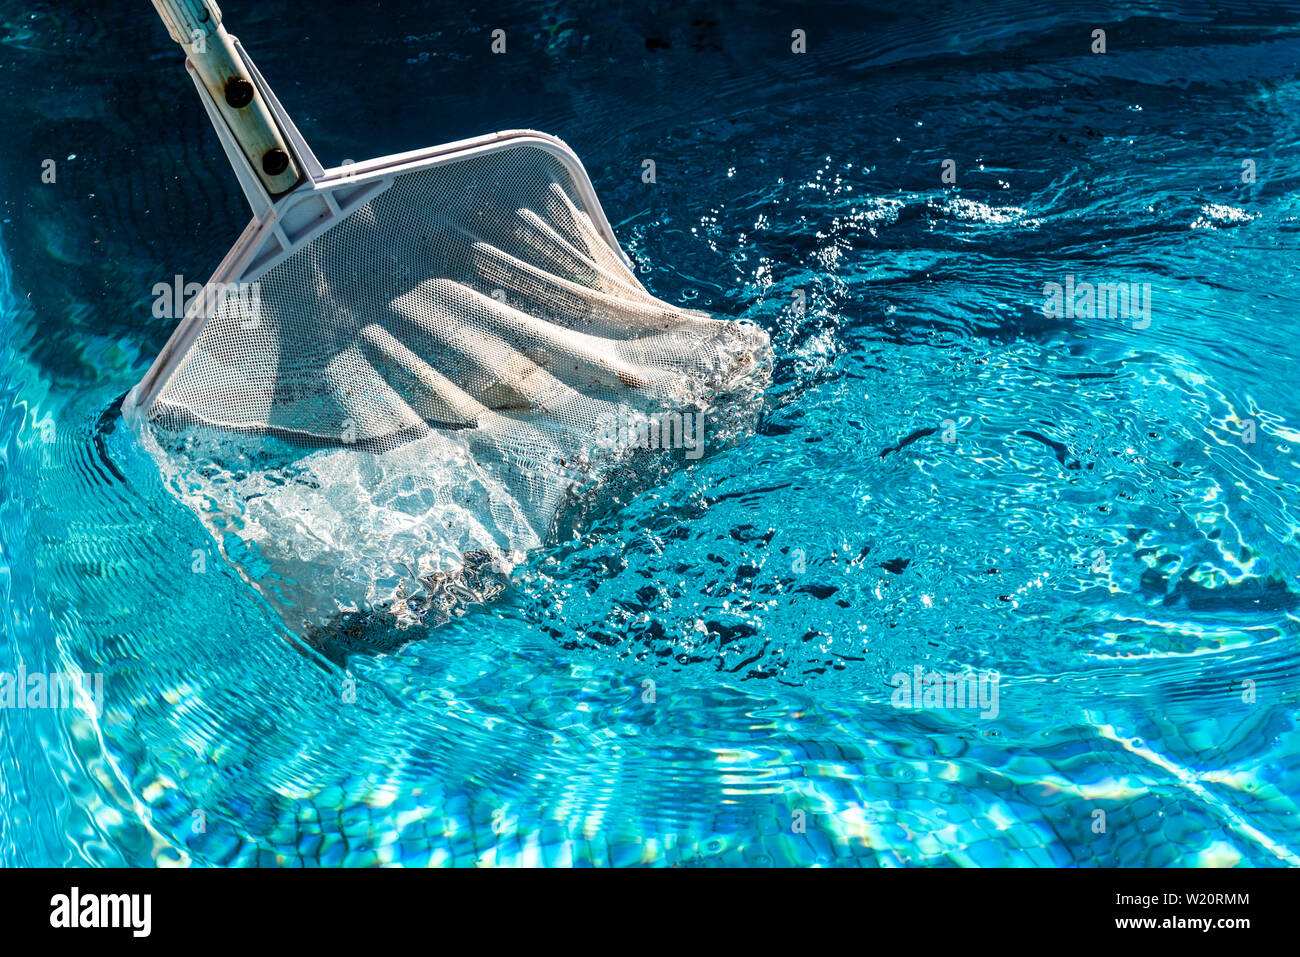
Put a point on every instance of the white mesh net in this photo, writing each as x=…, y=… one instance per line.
x=417, y=392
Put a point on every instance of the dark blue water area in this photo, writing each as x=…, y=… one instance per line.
x=1091, y=509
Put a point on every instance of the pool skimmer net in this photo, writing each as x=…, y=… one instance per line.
x=405, y=367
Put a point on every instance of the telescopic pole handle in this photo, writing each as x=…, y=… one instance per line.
x=196, y=26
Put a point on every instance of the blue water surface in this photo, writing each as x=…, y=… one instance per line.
x=1099, y=510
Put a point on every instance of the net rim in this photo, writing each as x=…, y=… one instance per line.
x=357, y=183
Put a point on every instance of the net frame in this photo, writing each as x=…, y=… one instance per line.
x=321, y=203
x=322, y=200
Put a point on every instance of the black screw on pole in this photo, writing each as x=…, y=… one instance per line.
x=275, y=161
x=239, y=92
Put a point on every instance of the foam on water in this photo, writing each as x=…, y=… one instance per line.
x=424, y=527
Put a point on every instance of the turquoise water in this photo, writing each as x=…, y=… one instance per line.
x=945, y=477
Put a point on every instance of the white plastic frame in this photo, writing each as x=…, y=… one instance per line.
x=323, y=200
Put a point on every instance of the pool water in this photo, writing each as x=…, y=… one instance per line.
x=1094, y=512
